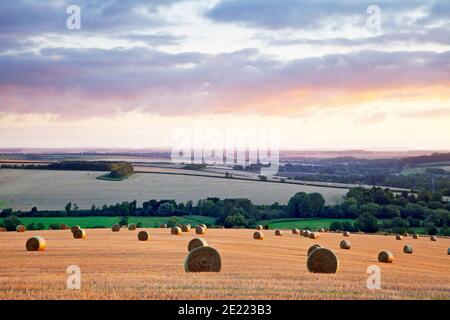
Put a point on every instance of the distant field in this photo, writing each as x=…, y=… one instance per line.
x=52, y=190
x=292, y=223
x=91, y=222
x=115, y=265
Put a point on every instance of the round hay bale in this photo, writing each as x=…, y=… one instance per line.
x=175, y=231
x=295, y=231
x=202, y=226
x=266, y=227
x=124, y=226
x=408, y=249
x=278, y=233
x=131, y=227
x=433, y=238
x=314, y=235
x=415, y=236
x=200, y=230
x=35, y=244
x=203, y=259
x=79, y=234
x=386, y=257
x=195, y=243
x=259, y=227
x=115, y=228
x=73, y=228
x=322, y=260
x=186, y=228
x=448, y=251
x=405, y=234
x=164, y=226
x=306, y=233
x=313, y=247
x=398, y=237
x=143, y=235
x=346, y=234
x=21, y=228
x=345, y=244
x=258, y=235
x=302, y=232
x=321, y=230
x=2, y=229
x=63, y=226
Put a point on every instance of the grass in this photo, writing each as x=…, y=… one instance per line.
x=90, y=222
x=107, y=177
x=290, y=223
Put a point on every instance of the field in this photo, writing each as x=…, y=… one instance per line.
x=91, y=222
x=52, y=190
x=117, y=266
x=290, y=223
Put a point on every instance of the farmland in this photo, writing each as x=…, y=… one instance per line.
x=52, y=190
x=117, y=266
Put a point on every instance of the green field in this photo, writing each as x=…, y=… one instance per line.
x=291, y=223
x=91, y=222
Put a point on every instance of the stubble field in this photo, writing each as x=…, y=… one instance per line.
x=118, y=266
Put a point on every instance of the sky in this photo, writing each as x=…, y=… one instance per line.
x=323, y=74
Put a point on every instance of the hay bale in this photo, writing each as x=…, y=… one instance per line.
x=175, y=231
x=398, y=237
x=345, y=244
x=405, y=234
x=73, y=228
x=386, y=257
x=433, y=238
x=131, y=227
x=314, y=235
x=302, y=232
x=295, y=231
x=200, y=230
x=321, y=230
x=408, y=249
x=35, y=244
x=79, y=234
x=415, y=236
x=163, y=225
x=195, y=243
x=346, y=234
x=306, y=233
x=278, y=233
x=258, y=235
x=124, y=226
x=143, y=235
x=259, y=227
x=266, y=227
x=203, y=259
x=21, y=228
x=313, y=247
x=115, y=228
x=63, y=226
x=322, y=260
x=202, y=226
x=2, y=229
x=448, y=251
x=186, y=228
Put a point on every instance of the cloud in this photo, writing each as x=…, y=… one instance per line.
x=88, y=82
x=427, y=113
x=376, y=117
x=306, y=14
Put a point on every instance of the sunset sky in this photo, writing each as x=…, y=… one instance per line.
x=138, y=70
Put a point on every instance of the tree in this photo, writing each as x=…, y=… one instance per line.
x=11, y=223
x=366, y=222
x=296, y=205
x=68, y=208
x=123, y=221
x=166, y=209
x=237, y=220
x=336, y=225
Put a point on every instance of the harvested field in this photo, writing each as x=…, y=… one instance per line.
x=118, y=266
x=52, y=190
